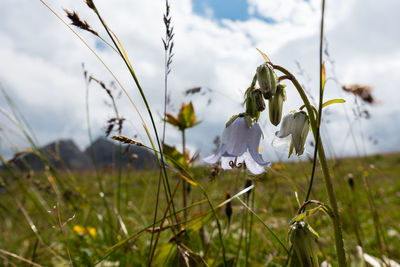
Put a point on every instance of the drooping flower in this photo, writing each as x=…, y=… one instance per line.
x=240, y=144
x=295, y=128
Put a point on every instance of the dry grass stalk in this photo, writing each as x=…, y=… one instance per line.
x=126, y=140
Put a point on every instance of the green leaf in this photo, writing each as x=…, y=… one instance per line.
x=307, y=213
x=174, y=157
x=187, y=116
x=231, y=119
x=171, y=119
x=333, y=101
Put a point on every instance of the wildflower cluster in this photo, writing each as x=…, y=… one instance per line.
x=241, y=137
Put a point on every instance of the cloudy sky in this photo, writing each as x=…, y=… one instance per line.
x=215, y=48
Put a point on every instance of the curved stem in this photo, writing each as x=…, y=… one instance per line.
x=324, y=166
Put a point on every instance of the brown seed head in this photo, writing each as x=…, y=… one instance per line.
x=78, y=22
x=362, y=91
x=126, y=140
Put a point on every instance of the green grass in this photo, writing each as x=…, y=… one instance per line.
x=78, y=198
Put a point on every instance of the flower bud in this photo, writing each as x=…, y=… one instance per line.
x=266, y=80
x=258, y=100
x=228, y=206
x=303, y=240
x=275, y=105
x=251, y=108
x=300, y=129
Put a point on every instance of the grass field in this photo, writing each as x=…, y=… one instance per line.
x=32, y=204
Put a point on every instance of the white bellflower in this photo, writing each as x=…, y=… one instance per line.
x=240, y=144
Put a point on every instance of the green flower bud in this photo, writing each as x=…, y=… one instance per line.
x=251, y=108
x=300, y=129
x=258, y=100
x=266, y=80
x=303, y=239
x=275, y=105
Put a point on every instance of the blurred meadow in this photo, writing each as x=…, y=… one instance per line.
x=197, y=133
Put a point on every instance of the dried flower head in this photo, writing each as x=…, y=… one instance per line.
x=362, y=91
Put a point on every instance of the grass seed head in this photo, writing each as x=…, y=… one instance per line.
x=126, y=140
x=78, y=22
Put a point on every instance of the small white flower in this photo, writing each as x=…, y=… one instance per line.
x=294, y=129
x=240, y=144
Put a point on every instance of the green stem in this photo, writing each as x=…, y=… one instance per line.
x=184, y=183
x=324, y=166
x=251, y=226
x=132, y=72
x=218, y=224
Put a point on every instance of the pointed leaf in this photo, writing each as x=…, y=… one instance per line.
x=174, y=157
x=266, y=58
x=171, y=119
x=333, y=101
x=307, y=213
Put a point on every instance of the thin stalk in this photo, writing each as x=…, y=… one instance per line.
x=163, y=220
x=375, y=216
x=325, y=170
x=321, y=95
x=132, y=72
x=93, y=156
x=251, y=227
x=266, y=226
x=119, y=179
x=218, y=224
x=63, y=234
x=184, y=183
x=166, y=72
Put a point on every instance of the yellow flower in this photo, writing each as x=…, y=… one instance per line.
x=277, y=166
x=82, y=231
x=79, y=230
x=92, y=231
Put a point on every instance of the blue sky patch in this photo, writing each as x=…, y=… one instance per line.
x=221, y=9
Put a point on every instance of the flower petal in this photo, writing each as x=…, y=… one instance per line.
x=252, y=165
x=212, y=159
x=257, y=157
x=254, y=143
x=286, y=126
x=225, y=162
x=235, y=137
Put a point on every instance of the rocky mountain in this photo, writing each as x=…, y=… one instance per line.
x=65, y=154
x=62, y=154
x=106, y=154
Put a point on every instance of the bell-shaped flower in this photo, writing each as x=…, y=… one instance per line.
x=295, y=128
x=240, y=144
